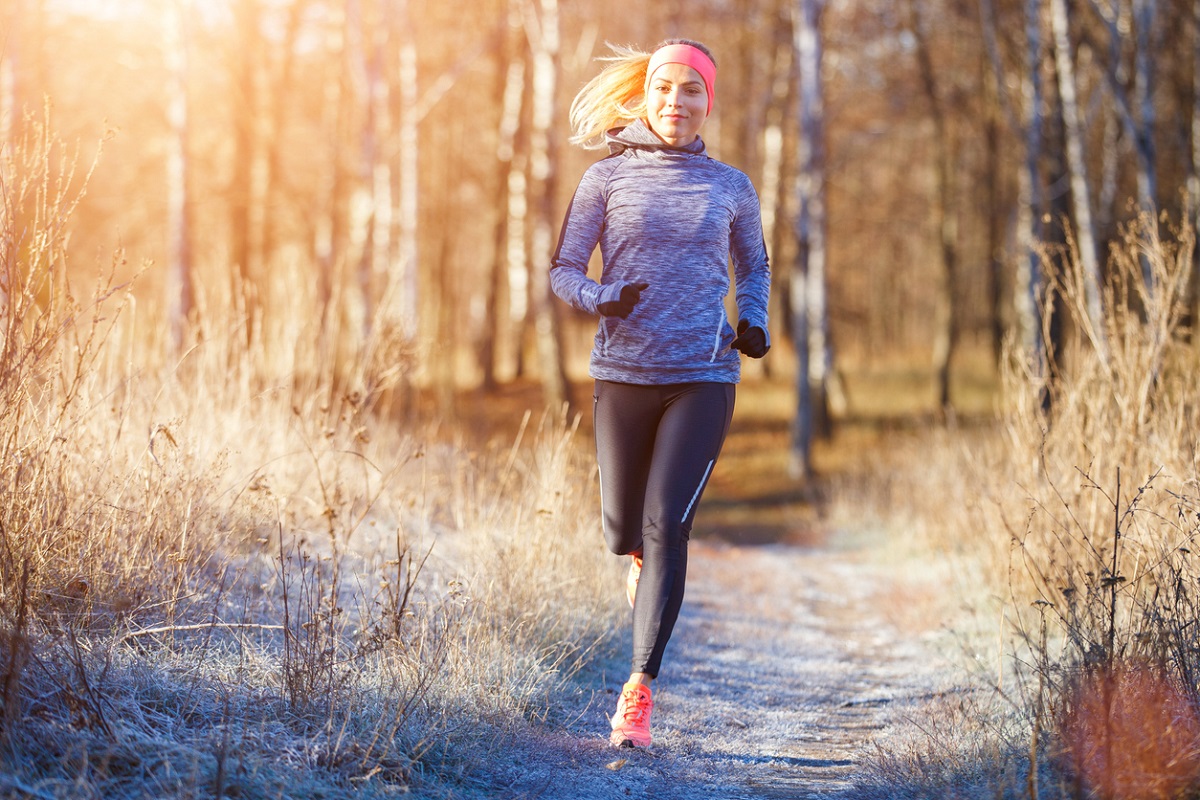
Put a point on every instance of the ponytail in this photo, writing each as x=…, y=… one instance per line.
x=614, y=97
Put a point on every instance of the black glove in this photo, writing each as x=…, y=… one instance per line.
x=630, y=294
x=751, y=341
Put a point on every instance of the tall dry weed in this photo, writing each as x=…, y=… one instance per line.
x=235, y=569
x=1075, y=518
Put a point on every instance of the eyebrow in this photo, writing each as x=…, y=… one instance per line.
x=682, y=83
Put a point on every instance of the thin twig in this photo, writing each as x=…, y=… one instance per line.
x=199, y=627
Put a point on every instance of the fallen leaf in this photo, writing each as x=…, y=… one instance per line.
x=616, y=765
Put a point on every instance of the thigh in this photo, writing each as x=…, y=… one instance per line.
x=625, y=417
x=692, y=430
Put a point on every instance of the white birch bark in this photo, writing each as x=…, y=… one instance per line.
x=1145, y=16
x=1137, y=114
x=1029, y=290
x=405, y=215
x=1081, y=200
x=512, y=68
x=382, y=204
x=808, y=299
x=542, y=24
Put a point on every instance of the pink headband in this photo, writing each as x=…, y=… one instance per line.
x=688, y=56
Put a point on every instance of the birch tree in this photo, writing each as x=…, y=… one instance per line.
x=510, y=72
x=406, y=251
x=542, y=25
x=1081, y=199
x=946, y=325
x=243, y=208
x=1135, y=108
x=179, y=274
x=1030, y=290
x=810, y=322
x=276, y=132
x=1025, y=118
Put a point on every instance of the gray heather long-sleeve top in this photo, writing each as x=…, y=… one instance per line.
x=670, y=217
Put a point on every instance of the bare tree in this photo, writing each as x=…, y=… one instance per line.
x=1077, y=168
x=1136, y=112
x=1030, y=291
x=276, y=131
x=946, y=325
x=243, y=208
x=810, y=321
x=181, y=301
x=404, y=279
x=510, y=72
x=542, y=26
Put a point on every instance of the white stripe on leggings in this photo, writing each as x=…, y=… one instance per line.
x=699, y=489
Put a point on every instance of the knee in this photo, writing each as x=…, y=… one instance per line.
x=665, y=532
x=622, y=539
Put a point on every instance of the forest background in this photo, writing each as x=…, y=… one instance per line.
x=403, y=164
x=268, y=263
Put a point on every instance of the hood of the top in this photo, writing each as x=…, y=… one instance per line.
x=638, y=136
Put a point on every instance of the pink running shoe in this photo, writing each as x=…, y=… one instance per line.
x=635, y=573
x=631, y=723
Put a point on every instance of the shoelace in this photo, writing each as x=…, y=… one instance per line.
x=634, y=711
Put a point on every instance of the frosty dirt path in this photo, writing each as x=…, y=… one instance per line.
x=785, y=664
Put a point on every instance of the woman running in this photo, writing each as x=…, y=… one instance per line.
x=667, y=218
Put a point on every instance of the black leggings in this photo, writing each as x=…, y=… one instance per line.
x=656, y=446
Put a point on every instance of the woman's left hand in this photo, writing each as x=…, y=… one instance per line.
x=751, y=340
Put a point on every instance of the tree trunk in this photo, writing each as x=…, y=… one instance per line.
x=510, y=69
x=809, y=311
x=542, y=25
x=1137, y=114
x=1028, y=294
x=373, y=213
x=1145, y=15
x=276, y=133
x=181, y=300
x=774, y=187
x=405, y=281
x=1081, y=199
x=1193, y=183
x=326, y=229
x=945, y=335
x=245, y=150
x=994, y=215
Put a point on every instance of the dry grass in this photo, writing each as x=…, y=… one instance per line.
x=1068, y=530
x=233, y=570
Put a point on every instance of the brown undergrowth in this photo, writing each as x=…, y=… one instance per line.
x=1068, y=533
x=234, y=571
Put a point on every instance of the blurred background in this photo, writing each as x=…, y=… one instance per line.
x=397, y=170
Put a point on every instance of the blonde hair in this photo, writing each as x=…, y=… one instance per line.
x=615, y=97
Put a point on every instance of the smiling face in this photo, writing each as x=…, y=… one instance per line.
x=676, y=104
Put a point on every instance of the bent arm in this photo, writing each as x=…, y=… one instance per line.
x=581, y=229
x=751, y=269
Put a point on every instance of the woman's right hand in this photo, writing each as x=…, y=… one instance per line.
x=631, y=293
